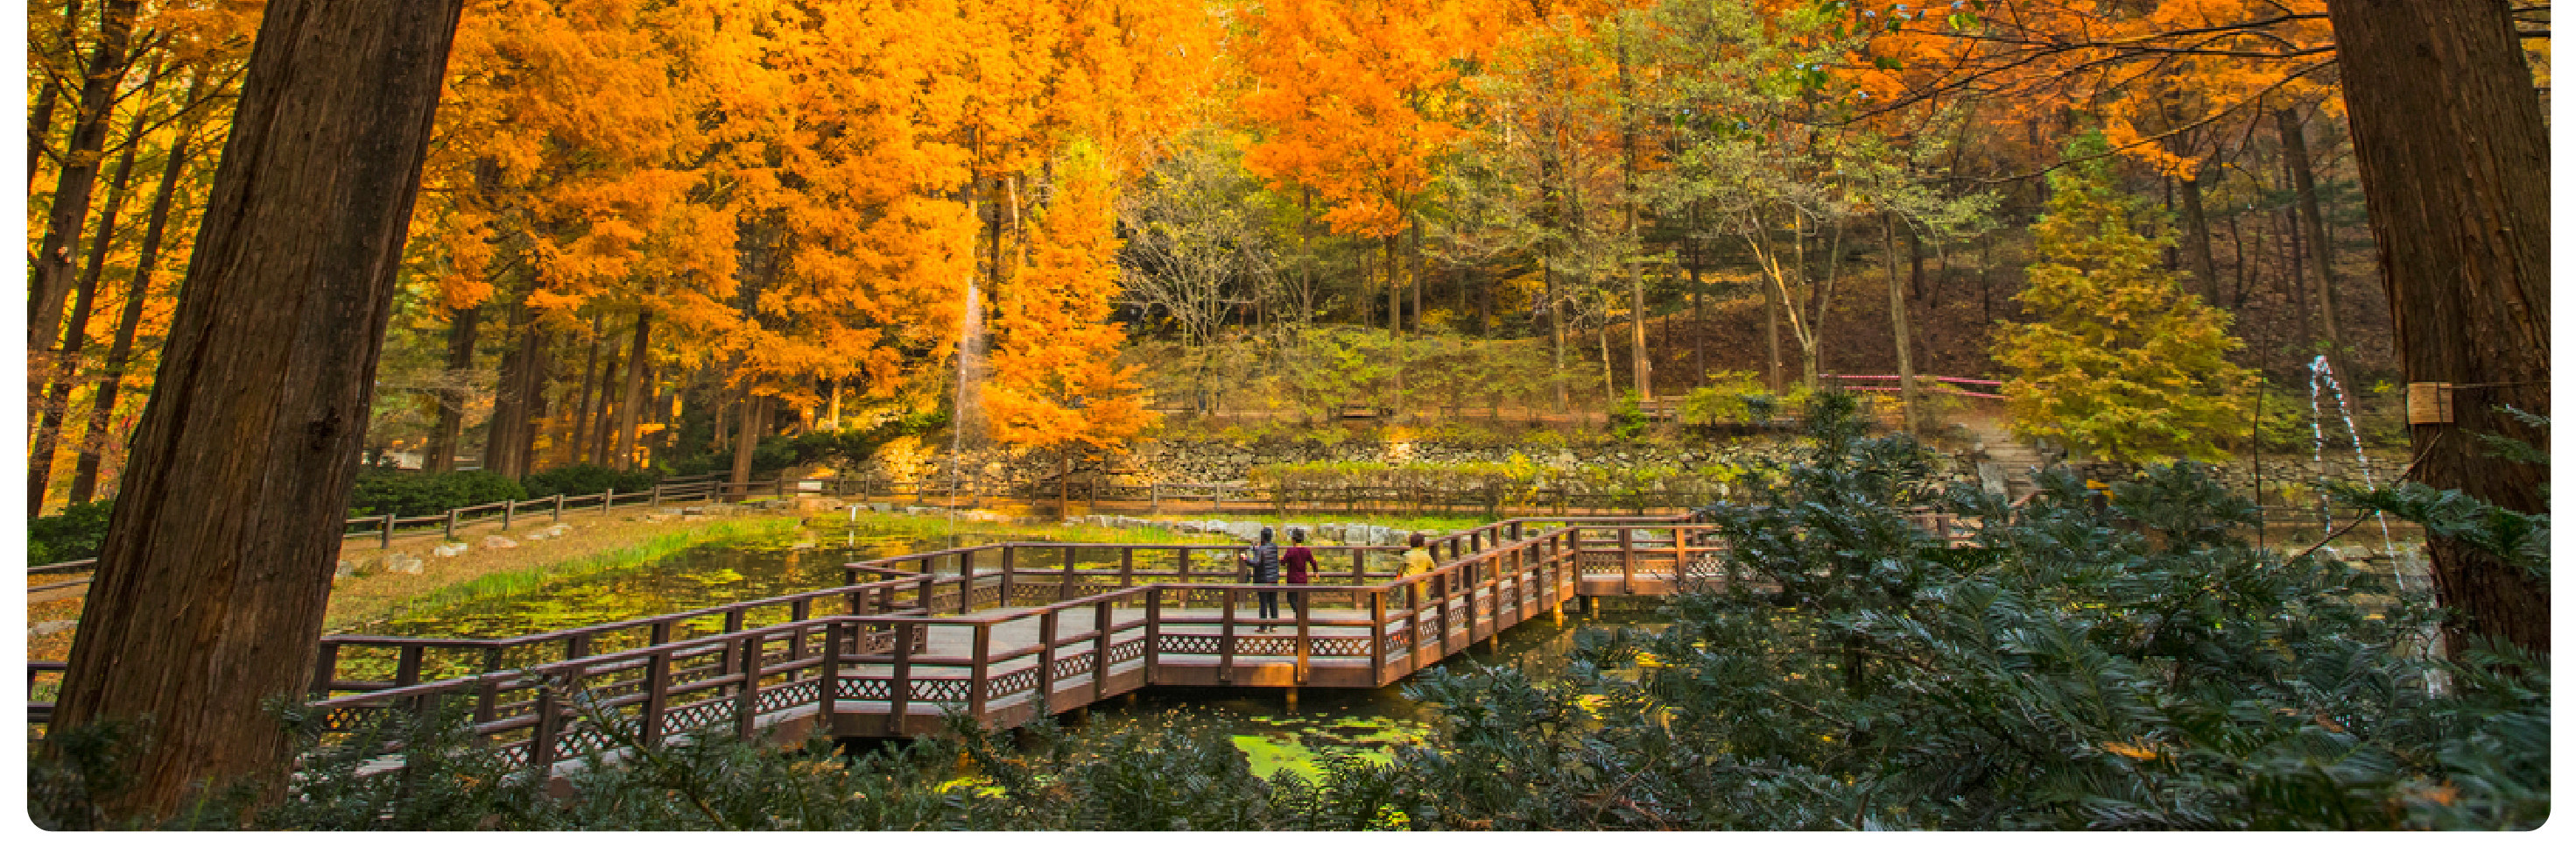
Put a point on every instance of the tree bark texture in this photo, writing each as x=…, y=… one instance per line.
x=212, y=577
x=2454, y=157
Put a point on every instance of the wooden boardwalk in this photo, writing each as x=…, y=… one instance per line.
x=1000, y=634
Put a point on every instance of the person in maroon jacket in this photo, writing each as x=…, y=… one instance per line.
x=1300, y=563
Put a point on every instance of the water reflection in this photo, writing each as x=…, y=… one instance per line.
x=1368, y=723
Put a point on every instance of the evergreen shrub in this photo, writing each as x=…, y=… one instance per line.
x=414, y=493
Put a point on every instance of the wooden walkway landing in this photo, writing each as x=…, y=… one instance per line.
x=999, y=635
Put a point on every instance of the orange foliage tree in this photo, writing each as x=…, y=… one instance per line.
x=1056, y=383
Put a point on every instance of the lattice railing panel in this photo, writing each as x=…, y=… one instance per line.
x=1011, y=683
x=1074, y=665
x=1188, y=644
x=1127, y=651
x=939, y=690
x=1340, y=645
x=703, y=713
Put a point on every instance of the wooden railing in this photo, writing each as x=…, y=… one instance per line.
x=1001, y=633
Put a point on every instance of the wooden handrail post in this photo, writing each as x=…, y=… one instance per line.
x=899, y=689
x=407, y=666
x=827, y=681
x=451, y=524
x=1046, y=664
x=326, y=669
x=558, y=506
x=509, y=511
x=1225, y=639
x=541, y=739
x=1126, y=567
x=1103, y=615
x=657, y=693
x=980, y=673
x=966, y=583
x=1010, y=562
x=1153, y=631
x=1377, y=636
x=1627, y=561
x=387, y=535
x=1185, y=575
x=746, y=704
x=1154, y=495
x=608, y=499
x=1304, y=632
x=1064, y=588
x=486, y=695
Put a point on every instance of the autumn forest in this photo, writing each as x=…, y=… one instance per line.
x=646, y=228
x=280, y=249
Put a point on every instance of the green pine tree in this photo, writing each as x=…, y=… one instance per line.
x=2120, y=362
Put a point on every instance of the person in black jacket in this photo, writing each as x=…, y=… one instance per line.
x=1263, y=559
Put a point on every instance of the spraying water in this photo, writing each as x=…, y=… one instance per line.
x=970, y=372
x=2321, y=378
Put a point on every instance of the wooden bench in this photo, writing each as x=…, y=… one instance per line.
x=1661, y=408
x=1361, y=411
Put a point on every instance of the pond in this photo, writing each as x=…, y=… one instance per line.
x=1369, y=723
x=1272, y=733
x=745, y=568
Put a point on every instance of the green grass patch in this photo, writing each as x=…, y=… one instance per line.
x=528, y=579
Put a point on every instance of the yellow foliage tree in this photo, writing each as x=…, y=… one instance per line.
x=1055, y=382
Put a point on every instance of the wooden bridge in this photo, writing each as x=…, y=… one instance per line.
x=1000, y=634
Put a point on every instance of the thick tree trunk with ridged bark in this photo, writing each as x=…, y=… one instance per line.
x=211, y=581
x=2454, y=162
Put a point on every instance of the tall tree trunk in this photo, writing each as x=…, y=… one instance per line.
x=2294, y=153
x=58, y=397
x=1771, y=336
x=580, y=421
x=1395, y=285
x=208, y=599
x=79, y=176
x=522, y=377
x=746, y=439
x=1555, y=333
x=440, y=455
x=594, y=432
x=40, y=122
x=634, y=393
x=1910, y=394
x=93, y=444
x=2196, y=235
x=2454, y=157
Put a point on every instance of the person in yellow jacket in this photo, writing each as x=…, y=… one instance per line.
x=1418, y=559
